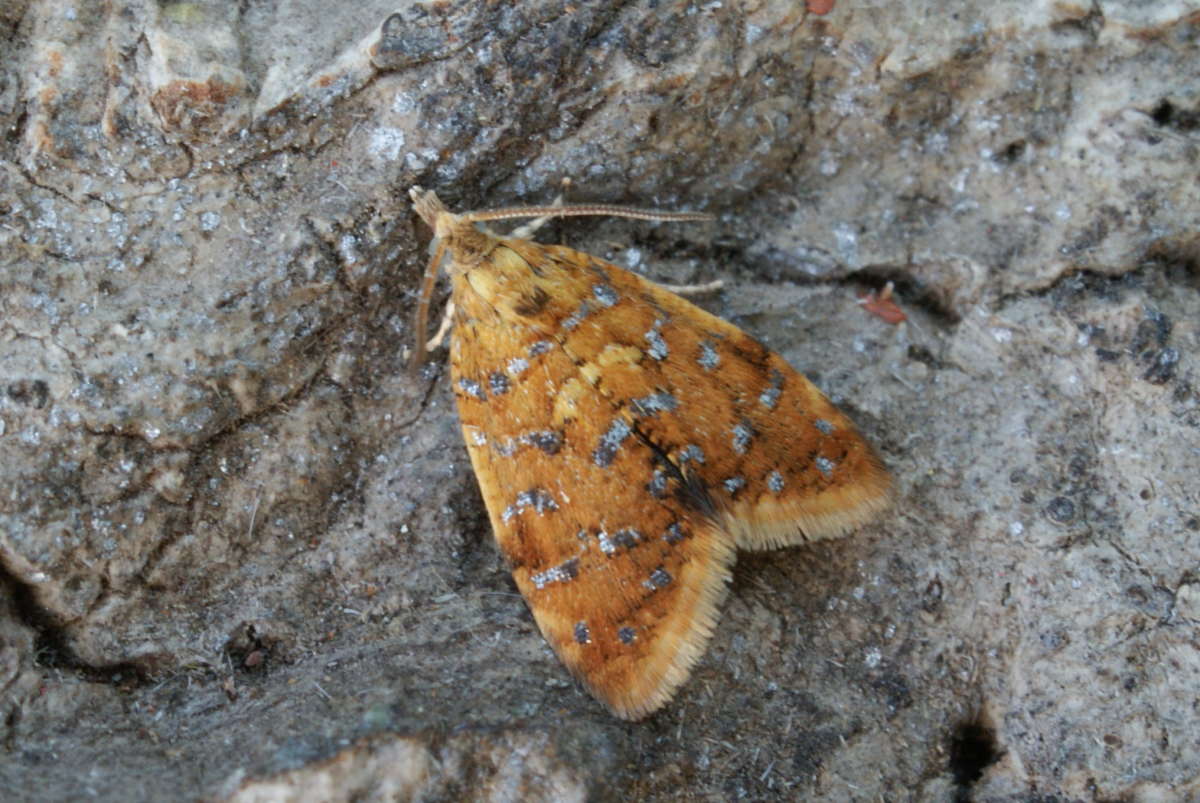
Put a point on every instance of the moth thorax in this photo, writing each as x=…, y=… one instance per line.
x=468, y=244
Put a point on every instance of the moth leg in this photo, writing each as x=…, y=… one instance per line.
x=527, y=231
x=695, y=289
x=443, y=328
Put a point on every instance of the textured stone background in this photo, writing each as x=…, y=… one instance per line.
x=241, y=550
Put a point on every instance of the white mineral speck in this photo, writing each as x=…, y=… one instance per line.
x=403, y=102
x=846, y=236
x=386, y=142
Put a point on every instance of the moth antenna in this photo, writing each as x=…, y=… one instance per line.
x=581, y=210
x=422, y=322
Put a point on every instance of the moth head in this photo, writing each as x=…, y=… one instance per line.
x=433, y=211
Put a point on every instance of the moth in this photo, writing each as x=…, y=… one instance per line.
x=627, y=443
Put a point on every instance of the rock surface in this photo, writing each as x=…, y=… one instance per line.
x=241, y=550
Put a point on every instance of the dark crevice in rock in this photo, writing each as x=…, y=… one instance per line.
x=972, y=750
x=53, y=648
x=1167, y=115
